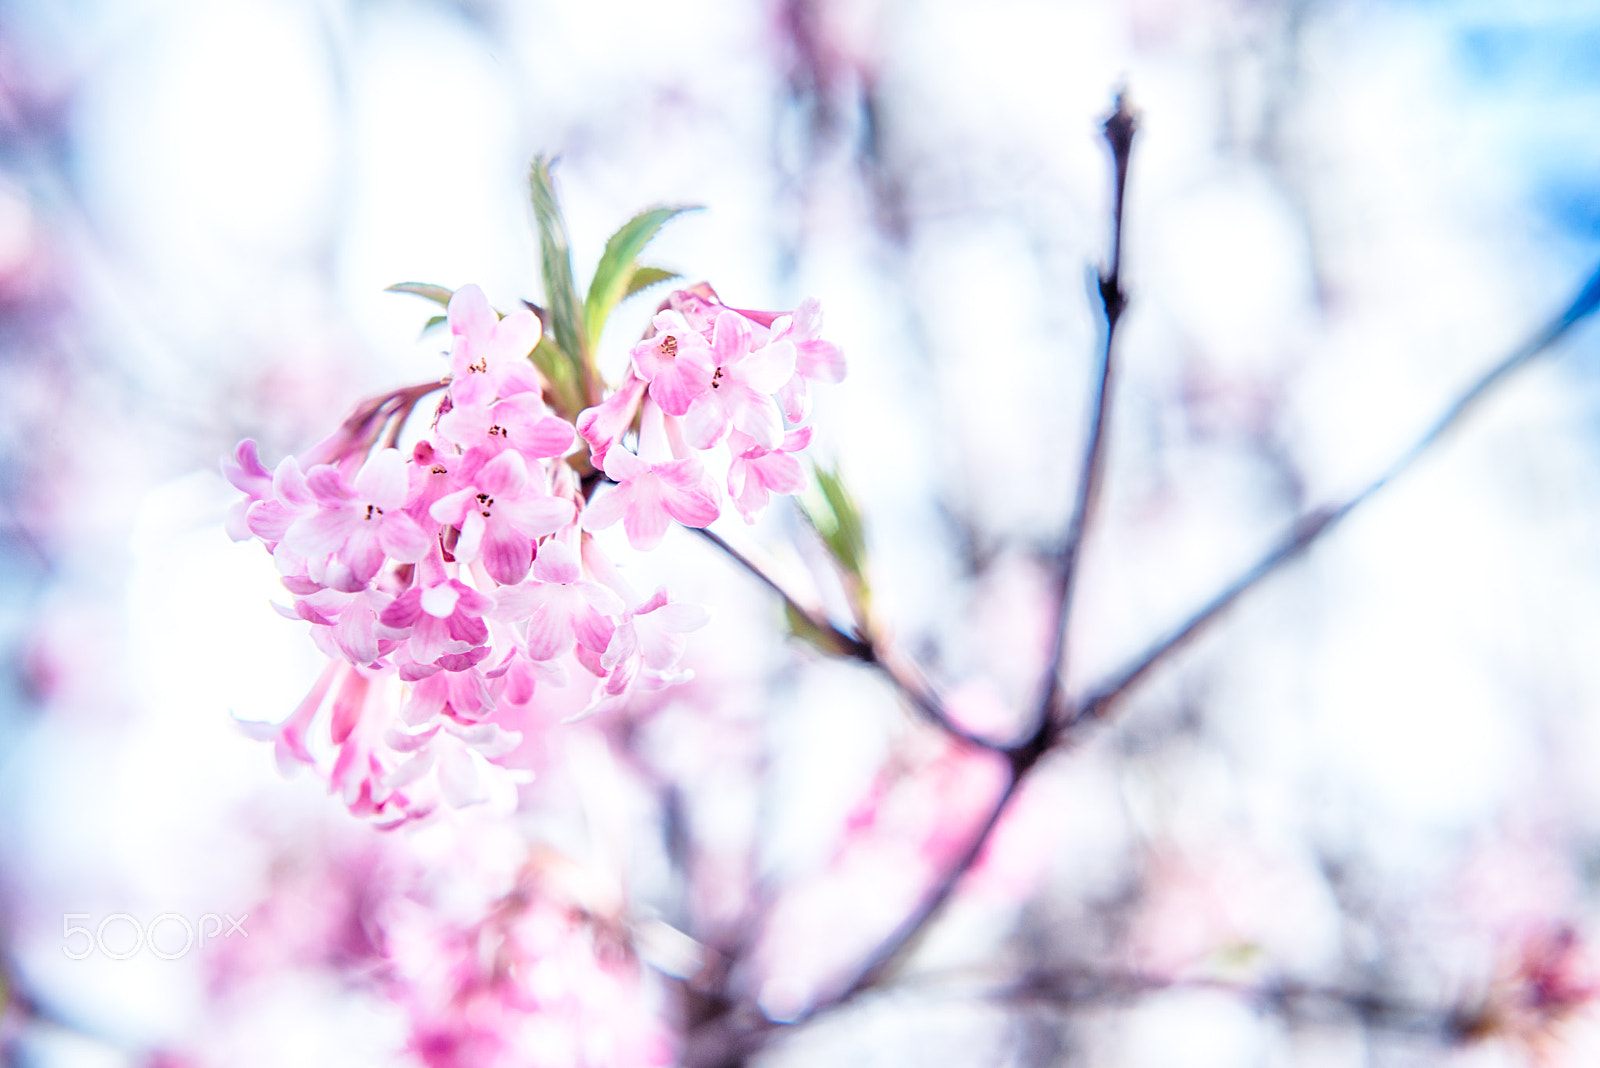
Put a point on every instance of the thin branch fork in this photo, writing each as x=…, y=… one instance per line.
x=901, y=674
x=730, y=1039
x=1051, y=734
x=1313, y=526
x=1119, y=129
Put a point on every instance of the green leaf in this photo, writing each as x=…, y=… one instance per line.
x=426, y=290
x=832, y=512
x=841, y=526
x=433, y=321
x=566, y=313
x=645, y=277
x=801, y=627
x=619, y=263
x=566, y=386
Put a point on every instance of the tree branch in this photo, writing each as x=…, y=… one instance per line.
x=732, y=1045
x=1119, y=129
x=1071, y=989
x=730, y=1038
x=900, y=673
x=1311, y=528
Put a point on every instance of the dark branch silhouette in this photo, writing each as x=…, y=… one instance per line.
x=730, y=1037
x=1311, y=528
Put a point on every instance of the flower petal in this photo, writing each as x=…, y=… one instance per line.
x=767, y=369
x=536, y=516
x=606, y=508
x=550, y=627
x=514, y=337
x=507, y=552
x=382, y=480
x=402, y=538
x=688, y=492
x=556, y=563
x=504, y=476
x=460, y=781
x=469, y=313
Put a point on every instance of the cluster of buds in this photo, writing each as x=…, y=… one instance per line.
x=456, y=586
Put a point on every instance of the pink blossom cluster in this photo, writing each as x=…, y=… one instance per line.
x=709, y=375
x=456, y=586
x=535, y=983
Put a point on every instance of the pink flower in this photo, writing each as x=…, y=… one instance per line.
x=490, y=357
x=248, y=476
x=756, y=473
x=461, y=695
x=442, y=621
x=500, y=512
x=431, y=479
x=815, y=359
x=561, y=607
x=287, y=499
x=647, y=495
x=742, y=385
x=458, y=751
x=699, y=306
x=289, y=737
x=676, y=362
x=345, y=624
x=358, y=525
x=603, y=426
x=650, y=636
x=520, y=422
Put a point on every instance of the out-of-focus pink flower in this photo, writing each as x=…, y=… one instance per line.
x=1549, y=977
x=535, y=981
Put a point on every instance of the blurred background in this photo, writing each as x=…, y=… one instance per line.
x=1379, y=776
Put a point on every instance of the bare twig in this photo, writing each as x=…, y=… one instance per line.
x=1071, y=989
x=848, y=644
x=730, y=1038
x=894, y=948
x=1119, y=128
x=1310, y=529
x=1119, y=132
x=904, y=676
